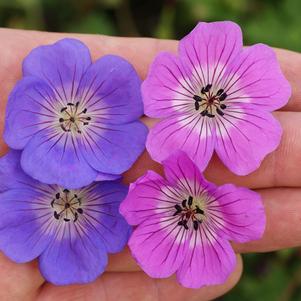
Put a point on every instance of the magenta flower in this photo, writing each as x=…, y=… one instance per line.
x=215, y=95
x=184, y=223
x=69, y=231
x=75, y=121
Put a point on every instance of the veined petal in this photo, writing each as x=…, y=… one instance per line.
x=23, y=232
x=159, y=246
x=181, y=171
x=54, y=158
x=208, y=48
x=113, y=148
x=254, y=79
x=60, y=65
x=30, y=109
x=209, y=260
x=110, y=90
x=244, y=137
x=168, y=89
x=71, y=261
x=192, y=134
x=240, y=213
x=149, y=197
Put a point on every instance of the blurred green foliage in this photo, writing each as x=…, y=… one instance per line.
x=267, y=277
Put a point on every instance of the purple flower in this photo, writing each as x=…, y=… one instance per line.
x=184, y=223
x=75, y=120
x=69, y=231
x=215, y=95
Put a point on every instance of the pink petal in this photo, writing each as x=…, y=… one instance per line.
x=159, y=246
x=254, y=78
x=149, y=197
x=192, y=134
x=209, y=261
x=239, y=211
x=167, y=88
x=245, y=137
x=209, y=48
x=182, y=172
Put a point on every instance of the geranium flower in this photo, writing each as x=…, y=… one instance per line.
x=215, y=96
x=184, y=223
x=75, y=121
x=69, y=231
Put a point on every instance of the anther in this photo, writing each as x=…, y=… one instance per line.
x=220, y=92
x=63, y=109
x=204, y=113
x=80, y=210
x=77, y=104
x=196, y=106
x=207, y=88
x=198, y=210
x=88, y=118
x=56, y=215
x=197, y=98
x=57, y=196
x=85, y=123
x=219, y=112
x=210, y=115
x=178, y=208
x=72, y=119
x=66, y=219
x=52, y=203
x=70, y=104
x=223, y=97
x=184, y=203
x=84, y=111
x=222, y=106
x=75, y=217
x=195, y=225
x=190, y=199
x=61, y=120
x=66, y=190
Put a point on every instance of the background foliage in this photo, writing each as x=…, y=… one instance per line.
x=267, y=277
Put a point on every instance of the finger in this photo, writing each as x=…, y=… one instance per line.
x=122, y=262
x=19, y=281
x=278, y=169
x=283, y=211
x=137, y=286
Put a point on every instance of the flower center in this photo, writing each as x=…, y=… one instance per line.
x=210, y=102
x=73, y=118
x=66, y=206
x=190, y=210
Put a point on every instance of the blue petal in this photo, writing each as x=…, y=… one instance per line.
x=54, y=158
x=23, y=235
x=113, y=149
x=60, y=65
x=73, y=260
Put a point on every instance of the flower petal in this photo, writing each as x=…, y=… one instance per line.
x=30, y=109
x=110, y=90
x=159, y=246
x=208, y=49
x=23, y=235
x=60, y=65
x=102, y=211
x=254, y=79
x=168, y=88
x=112, y=148
x=240, y=212
x=192, y=134
x=181, y=171
x=208, y=261
x=245, y=137
x=74, y=260
x=54, y=158
x=148, y=197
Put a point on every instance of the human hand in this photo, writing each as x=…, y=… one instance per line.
x=123, y=279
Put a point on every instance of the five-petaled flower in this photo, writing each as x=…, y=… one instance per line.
x=75, y=121
x=70, y=231
x=215, y=95
x=184, y=223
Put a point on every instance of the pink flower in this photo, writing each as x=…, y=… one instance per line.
x=184, y=223
x=215, y=95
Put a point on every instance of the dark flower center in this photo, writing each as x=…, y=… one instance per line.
x=73, y=118
x=67, y=206
x=209, y=102
x=189, y=210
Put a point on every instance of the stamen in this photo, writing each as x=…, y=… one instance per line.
x=219, y=112
x=63, y=109
x=196, y=106
x=195, y=225
x=223, y=97
x=223, y=106
x=210, y=115
x=197, y=98
x=184, y=203
x=190, y=200
x=204, y=113
x=220, y=92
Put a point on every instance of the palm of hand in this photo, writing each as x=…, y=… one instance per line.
x=123, y=279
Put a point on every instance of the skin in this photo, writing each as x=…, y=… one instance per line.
x=278, y=180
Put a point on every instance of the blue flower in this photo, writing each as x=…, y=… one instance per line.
x=75, y=121
x=69, y=231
